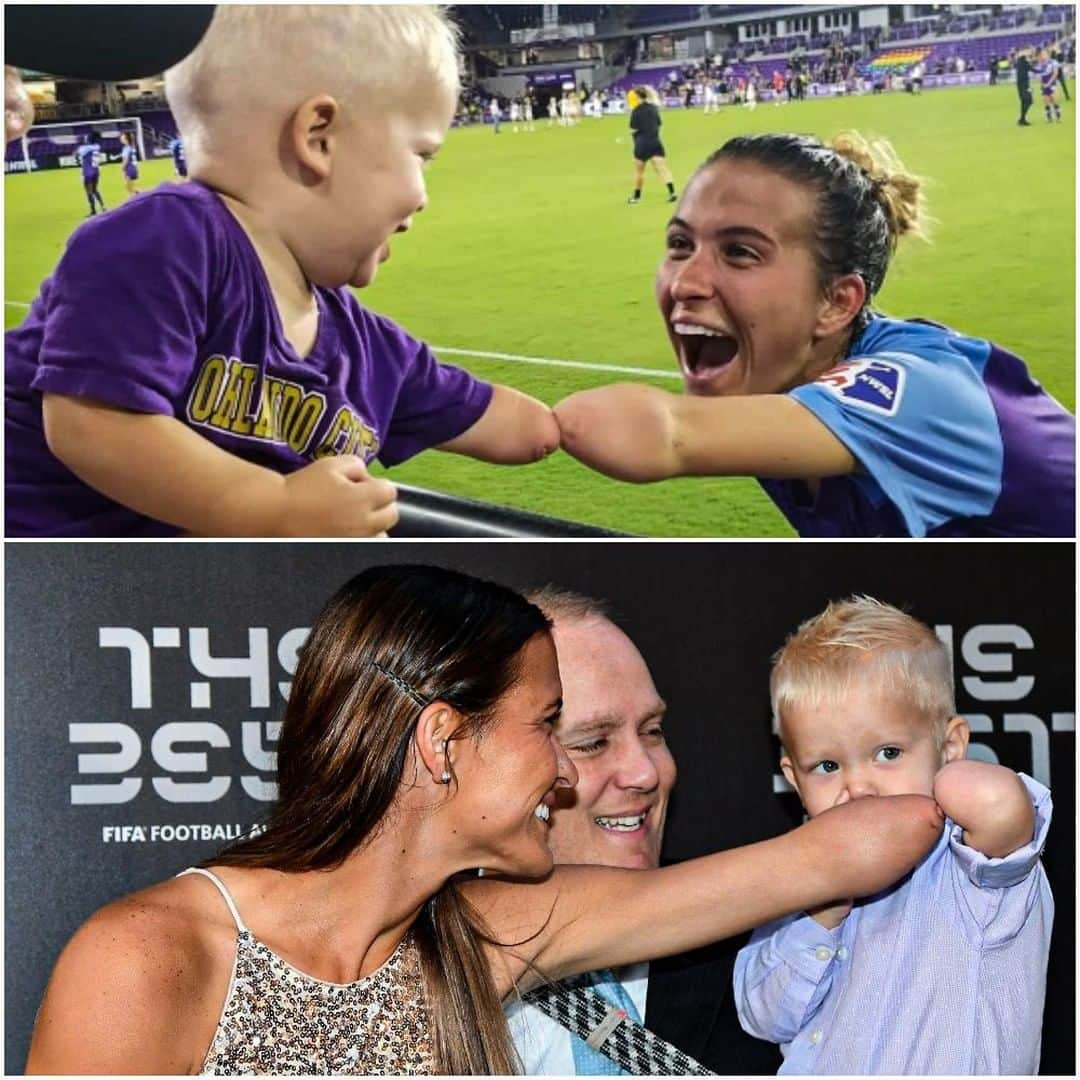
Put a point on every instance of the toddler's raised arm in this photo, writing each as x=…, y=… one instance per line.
x=991, y=804
x=515, y=429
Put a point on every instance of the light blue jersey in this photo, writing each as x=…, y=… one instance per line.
x=952, y=437
x=176, y=148
x=88, y=158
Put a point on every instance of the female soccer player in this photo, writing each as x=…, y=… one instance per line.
x=87, y=157
x=645, y=124
x=130, y=158
x=176, y=148
x=855, y=424
x=1048, y=70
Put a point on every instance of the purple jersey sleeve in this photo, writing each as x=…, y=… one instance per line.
x=433, y=402
x=126, y=310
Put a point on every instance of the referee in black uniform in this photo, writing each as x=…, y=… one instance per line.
x=1023, y=88
x=645, y=125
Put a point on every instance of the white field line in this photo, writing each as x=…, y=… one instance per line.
x=542, y=361
x=547, y=361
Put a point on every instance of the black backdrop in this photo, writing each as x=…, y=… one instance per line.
x=144, y=683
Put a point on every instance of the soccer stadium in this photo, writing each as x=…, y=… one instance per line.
x=529, y=268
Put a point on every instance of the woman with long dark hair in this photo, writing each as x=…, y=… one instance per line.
x=351, y=934
x=855, y=423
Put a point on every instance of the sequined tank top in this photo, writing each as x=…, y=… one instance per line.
x=276, y=1019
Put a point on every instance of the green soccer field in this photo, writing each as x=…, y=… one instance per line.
x=529, y=250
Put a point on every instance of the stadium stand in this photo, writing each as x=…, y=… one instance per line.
x=944, y=45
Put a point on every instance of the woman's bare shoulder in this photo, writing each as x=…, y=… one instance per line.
x=174, y=920
x=131, y=985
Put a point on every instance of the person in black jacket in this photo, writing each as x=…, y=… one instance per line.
x=612, y=727
x=645, y=124
x=1023, y=87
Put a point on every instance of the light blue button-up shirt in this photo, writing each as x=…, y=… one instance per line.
x=944, y=973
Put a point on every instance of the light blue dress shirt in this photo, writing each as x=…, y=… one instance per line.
x=944, y=973
x=545, y=1046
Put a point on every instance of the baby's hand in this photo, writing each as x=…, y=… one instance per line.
x=832, y=915
x=337, y=497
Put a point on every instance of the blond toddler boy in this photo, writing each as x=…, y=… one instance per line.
x=945, y=972
x=197, y=362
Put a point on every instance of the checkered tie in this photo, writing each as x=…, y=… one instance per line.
x=590, y=1062
x=611, y=1031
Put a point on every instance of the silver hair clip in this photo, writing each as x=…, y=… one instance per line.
x=402, y=685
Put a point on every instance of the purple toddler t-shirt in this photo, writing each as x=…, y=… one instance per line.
x=162, y=306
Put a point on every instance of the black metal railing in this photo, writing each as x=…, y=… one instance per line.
x=425, y=514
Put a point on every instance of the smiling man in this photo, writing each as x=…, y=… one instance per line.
x=612, y=726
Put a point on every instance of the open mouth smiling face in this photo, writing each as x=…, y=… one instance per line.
x=703, y=354
x=738, y=286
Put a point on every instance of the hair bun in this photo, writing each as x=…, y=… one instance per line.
x=899, y=190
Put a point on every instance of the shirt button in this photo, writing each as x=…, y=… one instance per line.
x=822, y=952
x=815, y=1036
x=842, y=952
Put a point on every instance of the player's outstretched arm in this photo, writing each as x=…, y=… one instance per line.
x=585, y=918
x=515, y=430
x=158, y=467
x=989, y=802
x=640, y=433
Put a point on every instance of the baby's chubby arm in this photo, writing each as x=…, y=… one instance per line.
x=158, y=467
x=515, y=430
x=641, y=434
x=989, y=802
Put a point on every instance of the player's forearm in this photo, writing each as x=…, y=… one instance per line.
x=158, y=467
x=516, y=429
x=989, y=802
x=640, y=433
x=854, y=850
x=625, y=430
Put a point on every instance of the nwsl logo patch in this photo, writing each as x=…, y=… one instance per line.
x=869, y=384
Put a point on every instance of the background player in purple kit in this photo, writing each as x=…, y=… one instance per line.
x=176, y=148
x=1049, y=70
x=248, y=388
x=854, y=423
x=88, y=157
x=129, y=157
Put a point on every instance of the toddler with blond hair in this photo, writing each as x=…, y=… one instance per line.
x=944, y=972
x=197, y=362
